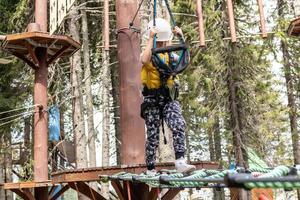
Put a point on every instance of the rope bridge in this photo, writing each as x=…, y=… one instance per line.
x=283, y=177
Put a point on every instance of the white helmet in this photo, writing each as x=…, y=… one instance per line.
x=164, y=31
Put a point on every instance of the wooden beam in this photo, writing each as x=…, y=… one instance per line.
x=231, y=21
x=200, y=23
x=58, y=54
x=32, y=54
x=153, y=195
x=58, y=194
x=21, y=185
x=24, y=194
x=140, y=191
x=170, y=194
x=26, y=60
x=128, y=187
x=53, y=188
x=118, y=188
x=85, y=189
x=262, y=19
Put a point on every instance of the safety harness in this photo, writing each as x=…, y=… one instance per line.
x=166, y=70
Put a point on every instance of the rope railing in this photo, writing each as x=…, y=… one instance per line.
x=280, y=177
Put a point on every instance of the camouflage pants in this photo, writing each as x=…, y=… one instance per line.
x=172, y=116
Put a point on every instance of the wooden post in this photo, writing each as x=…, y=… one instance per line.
x=106, y=25
x=200, y=23
x=132, y=125
x=40, y=98
x=231, y=20
x=262, y=19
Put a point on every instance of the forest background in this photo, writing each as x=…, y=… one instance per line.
x=235, y=97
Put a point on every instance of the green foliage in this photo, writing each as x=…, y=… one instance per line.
x=205, y=84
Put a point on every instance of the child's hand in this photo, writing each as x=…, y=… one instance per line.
x=153, y=32
x=177, y=31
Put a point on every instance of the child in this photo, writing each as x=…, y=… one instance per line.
x=159, y=104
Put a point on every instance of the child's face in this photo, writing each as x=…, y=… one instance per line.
x=161, y=44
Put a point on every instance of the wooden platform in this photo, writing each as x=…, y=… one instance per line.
x=24, y=46
x=92, y=174
x=79, y=179
x=294, y=28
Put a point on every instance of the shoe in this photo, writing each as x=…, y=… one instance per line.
x=182, y=167
x=151, y=172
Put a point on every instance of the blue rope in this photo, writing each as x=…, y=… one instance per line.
x=154, y=20
x=170, y=13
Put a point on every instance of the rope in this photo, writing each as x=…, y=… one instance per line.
x=170, y=13
x=17, y=109
x=17, y=115
x=8, y=122
x=275, y=173
x=132, y=21
x=279, y=177
x=154, y=21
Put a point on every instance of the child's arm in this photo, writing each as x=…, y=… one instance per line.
x=147, y=53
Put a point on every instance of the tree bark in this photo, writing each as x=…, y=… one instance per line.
x=8, y=164
x=234, y=118
x=218, y=195
x=106, y=81
x=78, y=119
x=2, y=174
x=114, y=74
x=106, y=118
x=88, y=90
x=289, y=79
x=290, y=90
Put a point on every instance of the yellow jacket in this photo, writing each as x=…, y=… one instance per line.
x=150, y=75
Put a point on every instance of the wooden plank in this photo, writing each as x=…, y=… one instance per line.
x=25, y=35
x=20, y=185
x=231, y=21
x=200, y=24
x=118, y=188
x=63, y=190
x=170, y=194
x=26, y=194
x=85, y=189
x=153, y=195
x=93, y=174
x=262, y=19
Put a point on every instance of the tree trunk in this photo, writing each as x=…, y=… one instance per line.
x=290, y=91
x=114, y=74
x=2, y=174
x=234, y=119
x=106, y=118
x=211, y=144
x=88, y=90
x=78, y=119
x=26, y=151
x=106, y=81
x=8, y=164
x=219, y=195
